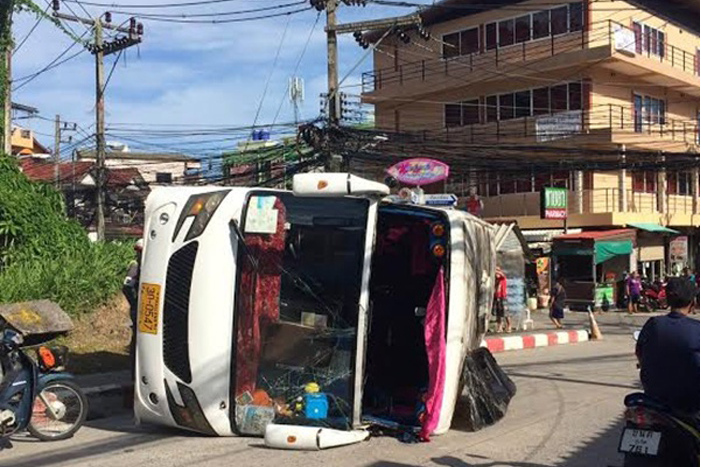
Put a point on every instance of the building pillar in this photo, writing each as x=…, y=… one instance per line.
x=695, y=190
x=579, y=191
x=622, y=192
x=662, y=188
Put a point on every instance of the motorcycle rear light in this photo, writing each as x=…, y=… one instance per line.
x=644, y=418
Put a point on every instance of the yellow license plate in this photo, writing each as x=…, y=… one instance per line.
x=149, y=307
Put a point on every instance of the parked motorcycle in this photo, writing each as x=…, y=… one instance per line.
x=37, y=396
x=656, y=435
x=654, y=296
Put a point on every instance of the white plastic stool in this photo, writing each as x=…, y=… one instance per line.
x=527, y=321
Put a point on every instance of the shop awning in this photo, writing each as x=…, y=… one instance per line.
x=605, y=250
x=654, y=228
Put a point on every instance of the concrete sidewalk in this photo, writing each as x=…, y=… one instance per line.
x=543, y=333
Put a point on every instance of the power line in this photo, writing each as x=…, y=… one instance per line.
x=222, y=13
x=223, y=21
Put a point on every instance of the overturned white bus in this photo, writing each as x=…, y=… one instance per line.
x=307, y=316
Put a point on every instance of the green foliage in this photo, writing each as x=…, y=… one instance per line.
x=45, y=255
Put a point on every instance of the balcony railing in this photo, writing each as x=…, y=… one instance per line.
x=600, y=200
x=628, y=40
x=610, y=33
x=600, y=124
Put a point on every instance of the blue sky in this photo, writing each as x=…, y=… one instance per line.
x=185, y=74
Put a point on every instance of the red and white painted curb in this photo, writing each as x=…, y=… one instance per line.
x=531, y=341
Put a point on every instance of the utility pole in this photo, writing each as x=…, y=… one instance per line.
x=57, y=149
x=332, y=62
x=333, y=99
x=99, y=48
x=100, y=129
x=6, y=10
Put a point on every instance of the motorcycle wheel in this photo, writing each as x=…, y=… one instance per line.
x=70, y=407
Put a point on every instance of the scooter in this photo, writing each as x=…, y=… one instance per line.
x=656, y=435
x=654, y=296
x=39, y=397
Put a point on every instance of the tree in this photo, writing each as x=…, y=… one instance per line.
x=7, y=9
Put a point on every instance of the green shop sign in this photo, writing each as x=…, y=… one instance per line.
x=553, y=203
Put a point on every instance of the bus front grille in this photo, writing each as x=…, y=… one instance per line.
x=176, y=354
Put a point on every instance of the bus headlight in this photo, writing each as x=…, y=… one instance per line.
x=201, y=207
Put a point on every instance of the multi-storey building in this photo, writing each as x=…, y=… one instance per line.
x=595, y=75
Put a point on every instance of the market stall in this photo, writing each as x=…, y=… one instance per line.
x=590, y=263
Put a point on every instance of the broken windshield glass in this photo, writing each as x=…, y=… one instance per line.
x=297, y=310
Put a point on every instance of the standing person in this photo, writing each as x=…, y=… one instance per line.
x=633, y=289
x=500, y=301
x=130, y=289
x=557, y=303
x=668, y=351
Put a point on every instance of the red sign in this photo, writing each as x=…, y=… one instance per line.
x=419, y=171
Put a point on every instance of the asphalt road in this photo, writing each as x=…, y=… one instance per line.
x=567, y=412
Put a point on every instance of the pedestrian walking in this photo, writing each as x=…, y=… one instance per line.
x=130, y=289
x=557, y=303
x=633, y=289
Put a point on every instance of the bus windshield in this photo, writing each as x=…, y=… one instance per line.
x=300, y=266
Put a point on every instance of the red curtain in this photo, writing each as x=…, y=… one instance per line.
x=259, y=300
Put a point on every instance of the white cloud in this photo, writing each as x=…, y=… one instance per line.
x=187, y=73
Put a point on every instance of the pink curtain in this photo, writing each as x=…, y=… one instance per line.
x=434, y=334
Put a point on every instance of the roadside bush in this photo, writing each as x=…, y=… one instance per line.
x=45, y=255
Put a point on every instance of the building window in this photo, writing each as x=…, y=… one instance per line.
x=451, y=45
x=491, y=36
x=648, y=40
x=506, y=32
x=452, y=115
x=650, y=182
x=532, y=102
x=491, y=111
x=648, y=111
x=463, y=113
x=576, y=16
x=558, y=20
x=506, y=106
x=541, y=24
x=164, y=177
x=684, y=183
x=523, y=28
x=541, y=101
x=523, y=104
x=470, y=112
x=469, y=41
x=558, y=98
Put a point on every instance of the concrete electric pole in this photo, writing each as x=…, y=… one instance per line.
x=332, y=61
x=57, y=150
x=100, y=48
x=6, y=10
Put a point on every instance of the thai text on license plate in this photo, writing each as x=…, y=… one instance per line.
x=644, y=442
x=149, y=307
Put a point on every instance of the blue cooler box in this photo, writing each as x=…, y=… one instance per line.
x=316, y=405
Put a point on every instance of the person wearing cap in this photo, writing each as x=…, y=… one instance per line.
x=130, y=289
x=668, y=351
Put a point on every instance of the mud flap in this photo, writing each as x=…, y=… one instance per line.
x=486, y=392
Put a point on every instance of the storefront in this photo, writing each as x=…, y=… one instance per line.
x=591, y=264
x=650, y=249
